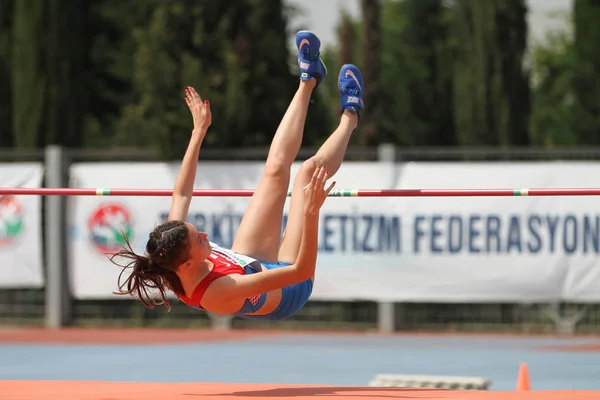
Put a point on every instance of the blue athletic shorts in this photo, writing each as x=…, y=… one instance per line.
x=293, y=297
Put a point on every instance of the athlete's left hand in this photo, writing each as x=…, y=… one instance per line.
x=315, y=192
x=200, y=111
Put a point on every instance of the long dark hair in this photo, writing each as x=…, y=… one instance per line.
x=167, y=248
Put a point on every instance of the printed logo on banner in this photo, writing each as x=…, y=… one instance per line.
x=106, y=225
x=11, y=220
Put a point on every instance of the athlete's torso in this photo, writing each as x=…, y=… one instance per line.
x=229, y=258
x=227, y=262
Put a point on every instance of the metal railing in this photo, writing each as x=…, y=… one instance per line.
x=53, y=306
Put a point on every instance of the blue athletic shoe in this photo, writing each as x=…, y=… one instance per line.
x=351, y=86
x=309, y=60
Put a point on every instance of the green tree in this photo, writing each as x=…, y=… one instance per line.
x=28, y=72
x=48, y=69
x=492, y=99
x=586, y=74
x=418, y=75
x=552, y=66
x=6, y=17
x=65, y=54
x=371, y=71
x=414, y=85
x=346, y=50
x=110, y=29
x=347, y=37
x=235, y=54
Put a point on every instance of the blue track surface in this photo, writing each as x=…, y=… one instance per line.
x=309, y=359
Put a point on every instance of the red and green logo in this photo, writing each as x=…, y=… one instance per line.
x=107, y=224
x=11, y=220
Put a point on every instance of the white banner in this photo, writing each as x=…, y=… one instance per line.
x=486, y=249
x=382, y=249
x=93, y=220
x=20, y=228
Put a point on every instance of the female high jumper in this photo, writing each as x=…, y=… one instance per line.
x=263, y=276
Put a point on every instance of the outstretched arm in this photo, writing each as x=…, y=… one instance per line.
x=184, y=185
x=244, y=286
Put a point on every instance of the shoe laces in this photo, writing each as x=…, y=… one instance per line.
x=308, y=56
x=352, y=90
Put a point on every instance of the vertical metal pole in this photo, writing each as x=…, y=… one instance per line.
x=55, y=244
x=220, y=322
x=386, y=317
x=386, y=153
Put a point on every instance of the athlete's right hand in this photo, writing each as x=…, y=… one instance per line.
x=200, y=110
x=315, y=192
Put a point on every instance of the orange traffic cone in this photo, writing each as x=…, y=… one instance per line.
x=523, y=378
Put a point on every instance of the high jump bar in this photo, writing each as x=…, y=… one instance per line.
x=520, y=192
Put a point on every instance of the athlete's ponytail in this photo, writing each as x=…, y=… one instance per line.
x=151, y=274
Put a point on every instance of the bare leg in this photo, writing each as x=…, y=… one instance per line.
x=259, y=232
x=331, y=154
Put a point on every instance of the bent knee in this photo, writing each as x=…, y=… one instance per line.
x=277, y=169
x=308, y=168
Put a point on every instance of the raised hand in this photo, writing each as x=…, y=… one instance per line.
x=200, y=110
x=315, y=192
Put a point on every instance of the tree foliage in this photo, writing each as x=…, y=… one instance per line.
x=552, y=67
x=586, y=72
x=102, y=73
x=491, y=103
x=6, y=11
